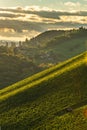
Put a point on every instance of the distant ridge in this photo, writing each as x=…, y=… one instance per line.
x=46, y=36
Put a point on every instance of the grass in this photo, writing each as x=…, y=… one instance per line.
x=40, y=102
x=40, y=77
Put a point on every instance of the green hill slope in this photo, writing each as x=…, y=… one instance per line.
x=14, y=68
x=40, y=102
x=53, y=47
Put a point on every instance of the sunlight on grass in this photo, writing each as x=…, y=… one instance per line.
x=85, y=58
x=40, y=78
x=41, y=101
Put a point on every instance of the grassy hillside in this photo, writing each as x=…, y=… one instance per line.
x=41, y=101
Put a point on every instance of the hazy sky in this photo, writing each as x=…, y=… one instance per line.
x=55, y=4
x=26, y=18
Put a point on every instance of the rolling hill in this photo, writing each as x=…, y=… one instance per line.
x=54, y=99
x=45, y=37
x=55, y=46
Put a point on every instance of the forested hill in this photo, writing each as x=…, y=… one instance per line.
x=52, y=47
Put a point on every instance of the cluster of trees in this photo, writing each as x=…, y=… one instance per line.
x=14, y=67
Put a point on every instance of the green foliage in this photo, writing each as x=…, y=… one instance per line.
x=53, y=46
x=14, y=68
x=40, y=102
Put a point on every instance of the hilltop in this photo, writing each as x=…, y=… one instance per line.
x=42, y=101
x=45, y=37
x=55, y=46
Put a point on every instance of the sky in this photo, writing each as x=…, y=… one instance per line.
x=20, y=19
x=55, y=4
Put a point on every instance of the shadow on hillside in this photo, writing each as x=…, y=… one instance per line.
x=70, y=109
